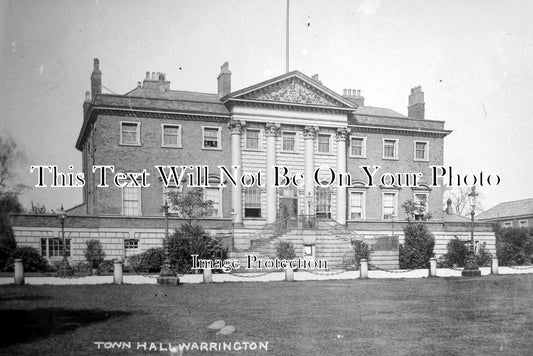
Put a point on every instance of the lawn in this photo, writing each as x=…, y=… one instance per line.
x=443, y=316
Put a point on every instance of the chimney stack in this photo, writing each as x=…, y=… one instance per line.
x=449, y=209
x=354, y=95
x=155, y=81
x=315, y=78
x=224, y=80
x=416, y=108
x=96, y=79
x=86, y=103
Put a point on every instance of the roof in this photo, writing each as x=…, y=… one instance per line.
x=455, y=218
x=374, y=111
x=508, y=209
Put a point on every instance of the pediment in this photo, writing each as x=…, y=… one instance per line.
x=293, y=89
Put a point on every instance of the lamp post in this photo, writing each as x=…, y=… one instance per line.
x=65, y=269
x=392, y=217
x=471, y=267
x=167, y=275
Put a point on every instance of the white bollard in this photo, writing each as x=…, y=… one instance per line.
x=433, y=267
x=117, y=272
x=19, y=272
x=208, y=275
x=494, y=266
x=363, y=269
x=289, y=274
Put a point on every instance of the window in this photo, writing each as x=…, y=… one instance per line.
x=421, y=151
x=288, y=141
x=324, y=143
x=171, y=136
x=214, y=194
x=252, y=202
x=323, y=207
x=166, y=197
x=389, y=205
x=421, y=201
x=252, y=139
x=130, y=133
x=507, y=224
x=522, y=223
x=211, y=138
x=131, y=244
x=131, y=201
x=53, y=247
x=390, y=148
x=357, y=205
x=357, y=146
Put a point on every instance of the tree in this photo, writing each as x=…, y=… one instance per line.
x=418, y=245
x=460, y=202
x=37, y=209
x=191, y=205
x=9, y=156
x=9, y=203
x=416, y=211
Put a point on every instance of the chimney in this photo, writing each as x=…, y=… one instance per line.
x=224, y=80
x=86, y=102
x=354, y=95
x=449, y=209
x=96, y=79
x=155, y=81
x=416, y=103
x=315, y=78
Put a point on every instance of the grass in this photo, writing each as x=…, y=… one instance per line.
x=443, y=316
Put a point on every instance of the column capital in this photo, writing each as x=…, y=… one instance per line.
x=310, y=132
x=272, y=129
x=236, y=126
x=342, y=133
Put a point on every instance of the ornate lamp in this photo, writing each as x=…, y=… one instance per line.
x=471, y=267
x=64, y=269
x=167, y=275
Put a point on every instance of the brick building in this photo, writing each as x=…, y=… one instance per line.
x=290, y=121
x=516, y=213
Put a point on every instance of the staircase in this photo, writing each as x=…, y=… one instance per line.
x=332, y=242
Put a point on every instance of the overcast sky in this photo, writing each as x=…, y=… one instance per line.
x=473, y=59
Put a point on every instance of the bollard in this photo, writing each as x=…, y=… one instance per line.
x=19, y=272
x=117, y=272
x=433, y=267
x=363, y=269
x=289, y=274
x=208, y=275
x=494, y=266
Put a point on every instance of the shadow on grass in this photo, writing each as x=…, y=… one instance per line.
x=27, y=325
x=26, y=297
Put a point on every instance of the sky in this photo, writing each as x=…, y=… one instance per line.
x=473, y=59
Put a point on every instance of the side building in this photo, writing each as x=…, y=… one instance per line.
x=292, y=122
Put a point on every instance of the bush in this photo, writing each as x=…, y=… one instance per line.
x=418, y=246
x=514, y=246
x=285, y=250
x=458, y=252
x=483, y=258
x=31, y=259
x=149, y=261
x=94, y=253
x=193, y=240
x=361, y=251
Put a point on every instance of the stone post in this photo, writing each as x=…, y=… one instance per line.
x=363, y=269
x=208, y=275
x=494, y=266
x=433, y=267
x=117, y=272
x=19, y=272
x=289, y=274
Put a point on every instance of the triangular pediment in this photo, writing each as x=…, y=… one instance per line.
x=292, y=88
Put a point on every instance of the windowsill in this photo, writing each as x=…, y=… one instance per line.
x=130, y=144
x=163, y=146
x=289, y=152
x=357, y=156
x=212, y=148
x=324, y=153
x=391, y=158
x=253, y=149
x=421, y=160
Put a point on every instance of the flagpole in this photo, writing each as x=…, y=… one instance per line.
x=287, y=41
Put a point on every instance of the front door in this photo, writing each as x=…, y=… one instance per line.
x=288, y=212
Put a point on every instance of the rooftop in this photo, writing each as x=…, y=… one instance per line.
x=508, y=209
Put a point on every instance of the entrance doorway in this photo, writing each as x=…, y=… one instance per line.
x=288, y=207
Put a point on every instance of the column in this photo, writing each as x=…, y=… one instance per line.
x=236, y=160
x=342, y=133
x=309, y=169
x=271, y=209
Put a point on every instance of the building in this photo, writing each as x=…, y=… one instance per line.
x=516, y=213
x=292, y=121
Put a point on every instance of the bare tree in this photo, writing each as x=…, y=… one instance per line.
x=460, y=201
x=191, y=205
x=10, y=155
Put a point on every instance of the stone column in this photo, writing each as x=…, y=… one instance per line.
x=236, y=160
x=19, y=272
x=309, y=169
x=117, y=272
x=271, y=209
x=341, y=169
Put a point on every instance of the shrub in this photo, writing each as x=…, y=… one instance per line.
x=418, y=246
x=94, y=253
x=107, y=266
x=191, y=240
x=457, y=252
x=361, y=251
x=285, y=250
x=483, y=258
x=149, y=261
x=31, y=259
x=514, y=246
